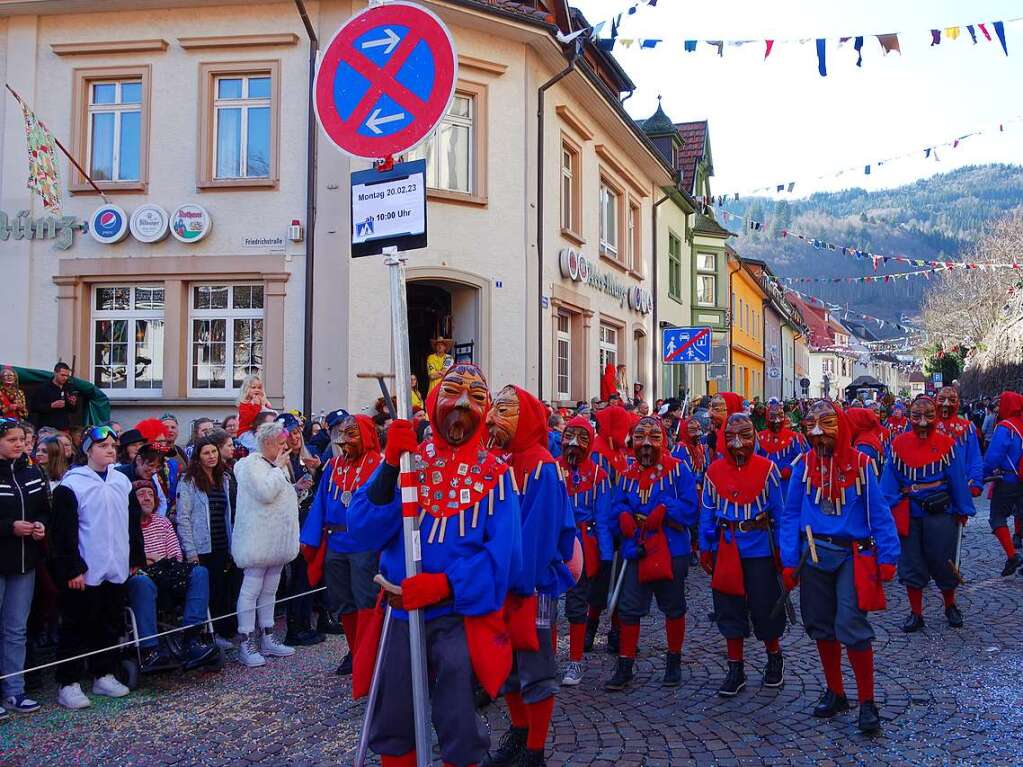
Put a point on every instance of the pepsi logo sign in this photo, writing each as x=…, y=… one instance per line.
x=108, y=224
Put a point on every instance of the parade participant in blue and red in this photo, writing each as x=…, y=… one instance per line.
x=926, y=486
x=609, y=449
x=517, y=423
x=330, y=550
x=1004, y=459
x=722, y=405
x=780, y=444
x=963, y=434
x=691, y=449
x=869, y=436
x=652, y=511
x=897, y=421
x=838, y=538
x=742, y=503
x=471, y=543
x=589, y=490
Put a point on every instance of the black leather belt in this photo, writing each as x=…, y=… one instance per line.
x=331, y=529
x=841, y=541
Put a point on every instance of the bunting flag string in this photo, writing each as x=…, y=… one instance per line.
x=926, y=273
x=846, y=313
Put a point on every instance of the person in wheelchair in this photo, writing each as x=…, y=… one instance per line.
x=167, y=580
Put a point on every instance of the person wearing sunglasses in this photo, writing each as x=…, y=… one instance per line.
x=97, y=546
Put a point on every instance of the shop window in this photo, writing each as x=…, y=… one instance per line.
x=127, y=339
x=610, y=214
x=608, y=346
x=226, y=336
x=111, y=133
x=564, y=358
x=455, y=153
x=239, y=131
x=570, y=185
x=674, y=267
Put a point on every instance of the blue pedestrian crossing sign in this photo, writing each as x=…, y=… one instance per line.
x=683, y=346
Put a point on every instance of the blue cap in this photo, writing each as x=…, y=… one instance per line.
x=288, y=421
x=334, y=417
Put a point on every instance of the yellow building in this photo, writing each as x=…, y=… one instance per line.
x=746, y=329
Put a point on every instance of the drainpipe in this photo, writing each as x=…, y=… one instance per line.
x=310, y=216
x=539, y=211
x=655, y=341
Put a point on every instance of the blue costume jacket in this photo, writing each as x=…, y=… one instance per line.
x=329, y=508
x=782, y=449
x=718, y=512
x=968, y=447
x=548, y=534
x=1004, y=454
x=641, y=491
x=947, y=469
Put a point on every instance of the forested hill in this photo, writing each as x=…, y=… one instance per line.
x=936, y=218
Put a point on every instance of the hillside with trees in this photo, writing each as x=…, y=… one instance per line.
x=938, y=218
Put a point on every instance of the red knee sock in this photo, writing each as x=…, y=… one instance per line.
x=628, y=640
x=539, y=723
x=772, y=646
x=517, y=710
x=350, y=623
x=593, y=614
x=576, y=639
x=734, y=650
x=831, y=661
x=949, y=597
x=916, y=600
x=1002, y=534
x=675, y=628
x=862, y=662
x=405, y=760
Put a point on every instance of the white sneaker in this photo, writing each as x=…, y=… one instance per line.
x=109, y=686
x=270, y=646
x=71, y=696
x=223, y=644
x=248, y=653
x=573, y=674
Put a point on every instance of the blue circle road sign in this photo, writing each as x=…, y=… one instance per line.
x=385, y=80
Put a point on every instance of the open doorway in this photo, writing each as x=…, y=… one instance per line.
x=441, y=309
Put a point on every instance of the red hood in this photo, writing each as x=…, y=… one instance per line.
x=733, y=403
x=1010, y=405
x=528, y=447
x=844, y=462
x=866, y=427
x=370, y=436
x=614, y=423
x=582, y=422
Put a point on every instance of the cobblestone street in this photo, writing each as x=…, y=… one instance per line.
x=946, y=696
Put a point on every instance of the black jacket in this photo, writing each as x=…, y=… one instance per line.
x=44, y=415
x=24, y=495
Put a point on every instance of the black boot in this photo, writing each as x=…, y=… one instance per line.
x=328, y=623
x=481, y=698
x=672, y=670
x=622, y=675
x=830, y=704
x=510, y=749
x=345, y=669
x=591, y=634
x=300, y=637
x=913, y=623
x=196, y=652
x=531, y=758
x=157, y=659
x=870, y=718
x=612, y=642
x=955, y=616
x=734, y=681
x=1012, y=564
x=774, y=672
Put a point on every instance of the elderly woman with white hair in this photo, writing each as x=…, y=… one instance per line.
x=264, y=539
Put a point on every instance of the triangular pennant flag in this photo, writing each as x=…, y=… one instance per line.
x=983, y=29
x=626, y=41
x=935, y=37
x=1000, y=32
x=822, y=67
x=769, y=44
x=690, y=46
x=973, y=33
x=866, y=170
x=952, y=33
x=792, y=185
x=889, y=43
x=719, y=44
x=858, y=47
x=648, y=43
x=597, y=29
x=927, y=153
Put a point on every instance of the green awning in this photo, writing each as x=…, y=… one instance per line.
x=96, y=406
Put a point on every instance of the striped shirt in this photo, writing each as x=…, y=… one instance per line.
x=160, y=539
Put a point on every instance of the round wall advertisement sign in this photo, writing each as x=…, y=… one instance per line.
x=149, y=223
x=190, y=223
x=108, y=224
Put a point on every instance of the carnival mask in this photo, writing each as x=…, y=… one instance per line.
x=694, y=428
x=575, y=445
x=647, y=441
x=461, y=402
x=821, y=425
x=503, y=419
x=740, y=438
x=922, y=415
x=718, y=411
x=775, y=417
x=350, y=440
x=948, y=402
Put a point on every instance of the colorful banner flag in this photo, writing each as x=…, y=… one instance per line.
x=43, y=175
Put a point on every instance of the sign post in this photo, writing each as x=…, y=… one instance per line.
x=384, y=82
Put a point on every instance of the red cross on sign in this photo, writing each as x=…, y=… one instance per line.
x=385, y=80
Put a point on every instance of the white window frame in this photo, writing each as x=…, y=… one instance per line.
x=612, y=249
x=229, y=315
x=130, y=315
x=245, y=104
x=633, y=258
x=117, y=109
x=608, y=345
x=424, y=150
x=563, y=354
x=674, y=266
x=569, y=160
x=713, y=283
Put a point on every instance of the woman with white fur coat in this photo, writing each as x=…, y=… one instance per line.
x=264, y=539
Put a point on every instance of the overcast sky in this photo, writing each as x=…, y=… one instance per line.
x=778, y=120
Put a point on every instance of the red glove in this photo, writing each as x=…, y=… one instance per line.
x=707, y=562
x=656, y=518
x=887, y=572
x=962, y=519
x=424, y=590
x=786, y=472
x=789, y=578
x=627, y=523
x=976, y=491
x=401, y=438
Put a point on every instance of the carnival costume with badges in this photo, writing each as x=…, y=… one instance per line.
x=590, y=491
x=1004, y=460
x=329, y=549
x=518, y=426
x=470, y=532
x=742, y=504
x=926, y=486
x=780, y=444
x=654, y=508
x=838, y=538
